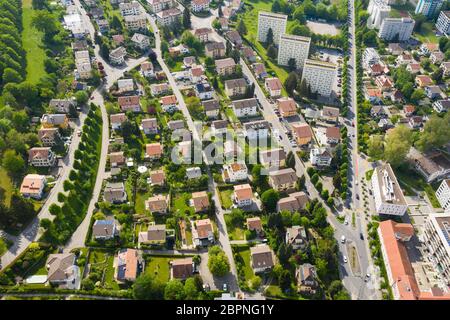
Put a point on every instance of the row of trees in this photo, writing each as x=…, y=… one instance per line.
x=312, y=9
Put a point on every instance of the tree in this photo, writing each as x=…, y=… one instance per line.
x=276, y=6
x=241, y=28
x=376, y=147
x=13, y=162
x=11, y=76
x=290, y=160
x=191, y=290
x=292, y=65
x=148, y=287
x=272, y=52
x=417, y=95
x=299, y=15
x=398, y=143
x=255, y=282
x=301, y=183
x=285, y=280
x=269, y=199
x=45, y=22
x=116, y=24
x=291, y=82
x=303, y=89
x=259, y=179
x=186, y=18
x=218, y=262
x=435, y=134
x=219, y=11
x=269, y=37
x=174, y=290
x=81, y=97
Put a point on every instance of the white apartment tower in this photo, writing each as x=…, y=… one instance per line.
x=387, y=193
x=319, y=75
x=436, y=237
x=443, y=22
x=378, y=10
x=443, y=195
x=296, y=47
x=276, y=22
x=391, y=27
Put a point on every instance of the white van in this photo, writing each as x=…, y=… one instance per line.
x=343, y=239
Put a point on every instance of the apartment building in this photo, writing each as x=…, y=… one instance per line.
x=276, y=22
x=370, y=57
x=387, y=193
x=200, y=5
x=282, y=180
x=49, y=136
x=378, y=10
x=135, y=22
x=443, y=22
x=130, y=8
x=41, y=157
x=33, y=186
x=320, y=76
x=245, y=107
x=117, y=56
x=293, y=47
x=83, y=65
x=235, y=87
x=443, y=195
x=320, y=157
x=225, y=66
x=215, y=49
x=160, y=5
x=234, y=172
x=436, y=237
x=429, y=8
x=393, y=27
x=167, y=17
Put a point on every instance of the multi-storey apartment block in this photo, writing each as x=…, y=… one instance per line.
x=293, y=47
x=320, y=76
x=268, y=20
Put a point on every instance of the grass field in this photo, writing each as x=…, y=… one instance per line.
x=225, y=198
x=6, y=186
x=426, y=33
x=235, y=232
x=244, y=252
x=32, y=44
x=181, y=203
x=159, y=267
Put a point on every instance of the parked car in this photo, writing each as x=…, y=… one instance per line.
x=343, y=239
x=345, y=259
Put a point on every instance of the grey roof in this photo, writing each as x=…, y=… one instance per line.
x=211, y=105
x=245, y=103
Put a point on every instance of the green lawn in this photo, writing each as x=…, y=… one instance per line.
x=104, y=260
x=159, y=267
x=244, y=252
x=234, y=232
x=6, y=186
x=426, y=33
x=181, y=203
x=225, y=198
x=140, y=202
x=32, y=44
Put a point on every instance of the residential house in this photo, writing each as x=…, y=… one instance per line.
x=307, y=282
x=176, y=124
x=141, y=41
x=413, y=67
x=395, y=49
x=243, y=195
x=423, y=81
x=128, y=264
x=117, y=120
x=404, y=58
x=149, y=126
x=283, y=179
x=235, y=87
x=202, y=34
x=273, y=86
x=219, y=127
x=333, y=135
x=437, y=57
x=257, y=129
x=302, y=132
x=105, y=229
x=200, y=201
x=189, y=62
x=33, y=186
x=157, y=178
x=204, y=91
x=169, y=103
x=193, y=173
x=428, y=47
x=377, y=112
x=157, y=89
x=129, y=103
x=153, y=150
x=272, y=158
x=234, y=172
x=225, y=67
x=62, y=105
x=248, y=54
x=330, y=114
x=136, y=22
x=49, y=136
x=62, y=271
x=409, y=110
x=262, y=258
x=320, y=157
x=181, y=268
x=147, y=70
x=231, y=150
x=287, y=107
x=211, y=107
x=169, y=16
x=130, y=8
x=296, y=237
x=117, y=56
x=200, y=5
x=155, y=235
x=159, y=5
x=254, y=224
x=245, y=107
x=445, y=66
x=384, y=83
x=415, y=122
x=223, y=23
x=118, y=39
x=433, y=165
x=158, y=204
x=196, y=74
x=434, y=92
x=117, y=159
x=202, y=232
x=259, y=70
x=54, y=120
x=215, y=49
x=234, y=37
x=41, y=157
x=115, y=192
x=441, y=105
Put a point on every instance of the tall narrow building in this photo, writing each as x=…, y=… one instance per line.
x=293, y=47
x=320, y=76
x=276, y=22
x=429, y=8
